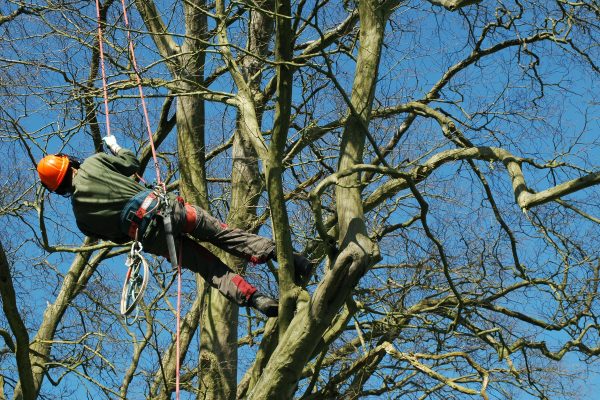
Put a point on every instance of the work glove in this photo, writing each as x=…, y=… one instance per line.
x=111, y=143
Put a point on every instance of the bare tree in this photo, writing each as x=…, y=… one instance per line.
x=434, y=158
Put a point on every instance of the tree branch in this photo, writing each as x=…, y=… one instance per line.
x=20, y=10
x=244, y=100
x=18, y=328
x=453, y=5
x=161, y=36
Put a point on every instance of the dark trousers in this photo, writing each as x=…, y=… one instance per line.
x=194, y=221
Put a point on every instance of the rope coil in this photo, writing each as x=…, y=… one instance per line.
x=136, y=280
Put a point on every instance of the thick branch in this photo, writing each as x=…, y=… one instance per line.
x=358, y=253
x=13, y=15
x=165, y=126
x=244, y=101
x=451, y=382
x=75, y=280
x=453, y=5
x=18, y=328
x=162, y=39
x=525, y=197
x=274, y=173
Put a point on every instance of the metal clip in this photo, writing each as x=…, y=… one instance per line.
x=134, y=254
x=161, y=193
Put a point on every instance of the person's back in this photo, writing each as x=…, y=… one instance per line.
x=101, y=188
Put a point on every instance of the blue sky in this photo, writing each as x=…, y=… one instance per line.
x=415, y=56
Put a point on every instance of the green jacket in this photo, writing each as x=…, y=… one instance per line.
x=102, y=187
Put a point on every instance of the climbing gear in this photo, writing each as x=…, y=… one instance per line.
x=165, y=211
x=52, y=170
x=138, y=212
x=136, y=280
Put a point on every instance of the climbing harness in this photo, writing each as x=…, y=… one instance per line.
x=136, y=216
x=165, y=210
x=137, y=259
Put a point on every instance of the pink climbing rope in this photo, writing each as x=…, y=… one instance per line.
x=178, y=355
x=142, y=98
x=104, y=85
x=154, y=156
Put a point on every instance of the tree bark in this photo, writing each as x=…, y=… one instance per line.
x=274, y=171
x=18, y=328
x=220, y=324
x=190, y=108
x=357, y=252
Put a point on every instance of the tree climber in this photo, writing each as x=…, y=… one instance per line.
x=109, y=204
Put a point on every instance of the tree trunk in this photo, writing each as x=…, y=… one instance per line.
x=18, y=328
x=220, y=323
x=188, y=68
x=274, y=170
x=357, y=252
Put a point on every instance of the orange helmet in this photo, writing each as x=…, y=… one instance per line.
x=52, y=170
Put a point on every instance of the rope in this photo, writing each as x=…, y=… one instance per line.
x=135, y=285
x=177, y=356
x=154, y=157
x=142, y=97
x=104, y=85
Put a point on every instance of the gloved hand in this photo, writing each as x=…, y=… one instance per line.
x=111, y=143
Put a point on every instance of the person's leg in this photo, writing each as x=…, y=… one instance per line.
x=248, y=246
x=198, y=259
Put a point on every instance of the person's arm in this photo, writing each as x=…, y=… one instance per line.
x=124, y=160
